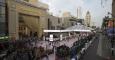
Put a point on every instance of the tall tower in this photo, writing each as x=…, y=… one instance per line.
x=79, y=14
x=87, y=18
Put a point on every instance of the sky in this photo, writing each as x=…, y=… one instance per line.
x=97, y=9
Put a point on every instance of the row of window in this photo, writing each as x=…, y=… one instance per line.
x=26, y=0
x=2, y=1
x=3, y=27
x=22, y=28
x=2, y=10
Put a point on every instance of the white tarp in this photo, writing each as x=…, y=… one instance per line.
x=79, y=28
x=52, y=30
x=57, y=30
x=76, y=28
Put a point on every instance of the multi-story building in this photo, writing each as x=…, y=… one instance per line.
x=69, y=20
x=87, y=19
x=66, y=22
x=113, y=8
x=66, y=16
x=54, y=22
x=24, y=18
x=3, y=18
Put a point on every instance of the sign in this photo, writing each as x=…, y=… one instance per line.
x=51, y=37
x=4, y=37
x=61, y=37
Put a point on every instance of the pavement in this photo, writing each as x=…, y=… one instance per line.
x=104, y=47
x=91, y=53
x=100, y=49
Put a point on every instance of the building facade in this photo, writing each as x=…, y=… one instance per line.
x=66, y=16
x=3, y=19
x=113, y=8
x=88, y=19
x=54, y=22
x=26, y=18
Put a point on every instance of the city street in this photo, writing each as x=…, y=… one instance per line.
x=98, y=50
x=57, y=29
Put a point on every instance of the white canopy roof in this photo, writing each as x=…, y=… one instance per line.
x=80, y=28
x=76, y=28
x=52, y=30
x=57, y=30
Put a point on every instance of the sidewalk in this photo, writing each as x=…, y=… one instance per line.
x=91, y=52
x=104, y=47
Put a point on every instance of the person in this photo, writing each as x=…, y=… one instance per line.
x=47, y=58
x=73, y=59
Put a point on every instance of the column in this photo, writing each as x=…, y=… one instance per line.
x=13, y=20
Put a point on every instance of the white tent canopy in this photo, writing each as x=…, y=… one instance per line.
x=76, y=28
x=57, y=30
x=80, y=28
x=67, y=30
x=52, y=31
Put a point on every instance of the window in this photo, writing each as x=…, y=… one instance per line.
x=3, y=22
x=2, y=10
x=3, y=1
x=26, y=0
x=53, y=27
x=72, y=24
x=58, y=20
x=2, y=18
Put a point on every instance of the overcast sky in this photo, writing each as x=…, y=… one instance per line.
x=97, y=9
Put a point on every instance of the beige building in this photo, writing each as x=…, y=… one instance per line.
x=26, y=17
x=66, y=14
x=88, y=19
x=68, y=20
x=54, y=22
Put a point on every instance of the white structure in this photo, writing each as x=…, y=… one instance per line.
x=88, y=19
x=67, y=14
